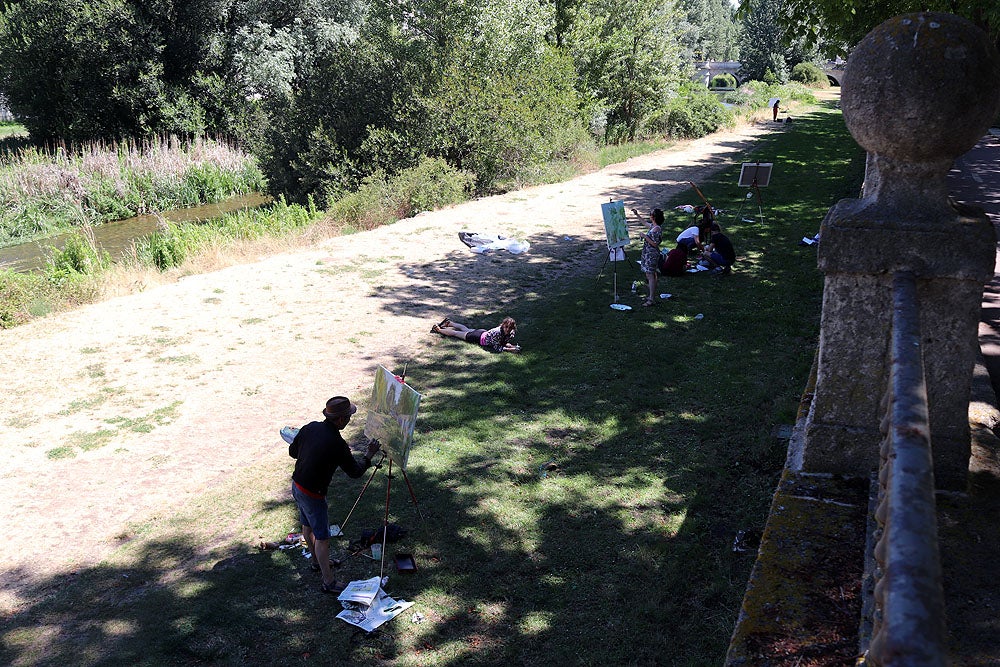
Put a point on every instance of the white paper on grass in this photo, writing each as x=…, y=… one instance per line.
x=361, y=591
x=488, y=243
x=370, y=606
x=383, y=609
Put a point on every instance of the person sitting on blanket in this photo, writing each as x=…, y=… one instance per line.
x=497, y=339
x=675, y=262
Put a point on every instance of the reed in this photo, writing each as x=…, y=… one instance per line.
x=45, y=190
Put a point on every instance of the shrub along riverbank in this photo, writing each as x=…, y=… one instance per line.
x=45, y=191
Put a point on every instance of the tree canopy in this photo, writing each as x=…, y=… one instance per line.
x=329, y=93
x=846, y=22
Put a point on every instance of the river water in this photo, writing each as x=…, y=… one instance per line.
x=117, y=237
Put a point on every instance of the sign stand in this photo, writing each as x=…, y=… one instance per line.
x=754, y=175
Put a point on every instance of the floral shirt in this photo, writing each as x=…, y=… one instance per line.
x=650, y=258
x=494, y=340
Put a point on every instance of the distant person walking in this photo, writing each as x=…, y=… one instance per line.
x=773, y=103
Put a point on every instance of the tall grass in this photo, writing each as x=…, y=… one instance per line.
x=79, y=273
x=43, y=191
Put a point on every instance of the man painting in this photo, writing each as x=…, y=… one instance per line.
x=319, y=449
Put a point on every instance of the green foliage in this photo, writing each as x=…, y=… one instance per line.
x=755, y=94
x=710, y=31
x=22, y=297
x=500, y=116
x=809, y=74
x=723, y=81
x=431, y=184
x=163, y=249
x=692, y=114
x=840, y=24
x=46, y=191
x=175, y=242
x=79, y=256
x=762, y=48
x=110, y=69
x=382, y=200
x=626, y=52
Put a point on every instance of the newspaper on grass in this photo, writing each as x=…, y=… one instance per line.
x=367, y=606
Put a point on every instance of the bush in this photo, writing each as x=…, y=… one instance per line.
x=723, y=81
x=80, y=256
x=22, y=296
x=431, y=184
x=755, y=94
x=810, y=74
x=162, y=249
x=380, y=200
x=693, y=115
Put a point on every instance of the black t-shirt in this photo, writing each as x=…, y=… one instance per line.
x=724, y=247
x=318, y=450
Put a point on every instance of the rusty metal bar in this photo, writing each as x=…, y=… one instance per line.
x=909, y=624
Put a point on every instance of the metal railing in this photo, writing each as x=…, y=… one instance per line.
x=908, y=624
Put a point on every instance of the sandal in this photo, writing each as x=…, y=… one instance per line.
x=333, y=588
x=436, y=329
x=647, y=303
x=314, y=566
x=445, y=323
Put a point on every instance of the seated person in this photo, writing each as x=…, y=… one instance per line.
x=674, y=263
x=691, y=238
x=720, y=251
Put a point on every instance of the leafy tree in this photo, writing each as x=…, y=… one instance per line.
x=809, y=74
x=761, y=48
x=843, y=23
x=709, y=30
x=627, y=57
x=106, y=69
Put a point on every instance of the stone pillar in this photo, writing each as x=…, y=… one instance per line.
x=919, y=91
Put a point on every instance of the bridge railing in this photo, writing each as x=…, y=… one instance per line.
x=908, y=623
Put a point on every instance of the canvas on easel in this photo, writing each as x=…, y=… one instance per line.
x=392, y=415
x=754, y=175
x=616, y=230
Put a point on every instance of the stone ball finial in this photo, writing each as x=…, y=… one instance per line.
x=921, y=87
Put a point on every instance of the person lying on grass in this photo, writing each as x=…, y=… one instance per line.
x=497, y=339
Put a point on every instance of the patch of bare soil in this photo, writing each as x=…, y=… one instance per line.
x=129, y=407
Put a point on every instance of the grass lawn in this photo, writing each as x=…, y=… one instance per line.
x=580, y=499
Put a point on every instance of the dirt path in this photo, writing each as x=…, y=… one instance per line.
x=157, y=395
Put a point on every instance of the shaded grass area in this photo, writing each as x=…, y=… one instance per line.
x=580, y=500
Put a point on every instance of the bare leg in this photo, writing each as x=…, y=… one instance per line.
x=307, y=535
x=455, y=330
x=321, y=552
x=651, y=282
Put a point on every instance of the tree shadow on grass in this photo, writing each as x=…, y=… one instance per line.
x=579, y=500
